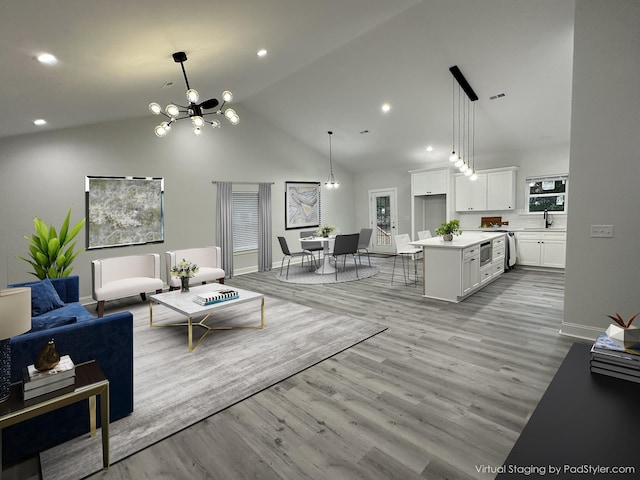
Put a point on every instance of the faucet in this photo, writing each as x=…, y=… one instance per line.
x=547, y=219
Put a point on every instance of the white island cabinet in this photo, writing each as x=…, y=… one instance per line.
x=454, y=270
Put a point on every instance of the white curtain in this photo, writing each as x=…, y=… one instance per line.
x=265, y=248
x=224, y=225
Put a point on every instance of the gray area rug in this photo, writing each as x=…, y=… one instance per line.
x=298, y=274
x=174, y=389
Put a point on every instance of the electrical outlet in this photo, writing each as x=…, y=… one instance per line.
x=601, y=231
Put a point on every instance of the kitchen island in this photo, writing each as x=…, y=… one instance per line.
x=454, y=270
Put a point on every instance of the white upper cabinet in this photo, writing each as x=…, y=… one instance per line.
x=493, y=190
x=471, y=195
x=433, y=182
x=501, y=190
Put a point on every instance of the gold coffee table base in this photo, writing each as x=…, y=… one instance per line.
x=190, y=324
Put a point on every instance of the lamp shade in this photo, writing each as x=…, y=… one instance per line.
x=15, y=311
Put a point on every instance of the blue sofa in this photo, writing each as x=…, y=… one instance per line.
x=77, y=333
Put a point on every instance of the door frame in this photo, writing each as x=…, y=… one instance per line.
x=392, y=192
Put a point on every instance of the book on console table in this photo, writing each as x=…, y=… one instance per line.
x=606, y=347
x=33, y=378
x=215, y=296
x=36, y=383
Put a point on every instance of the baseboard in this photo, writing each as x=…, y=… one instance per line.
x=579, y=331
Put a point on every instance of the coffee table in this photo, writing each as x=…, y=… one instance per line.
x=182, y=302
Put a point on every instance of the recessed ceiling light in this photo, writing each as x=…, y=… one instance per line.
x=262, y=52
x=47, y=58
x=386, y=107
x=40, y=121
x=429, y=148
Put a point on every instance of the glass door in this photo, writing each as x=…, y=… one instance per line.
x=382, y=218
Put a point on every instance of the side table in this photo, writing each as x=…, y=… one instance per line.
x=90, y=382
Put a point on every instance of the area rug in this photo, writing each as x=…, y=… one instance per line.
x=297, y=274
x=174, y=389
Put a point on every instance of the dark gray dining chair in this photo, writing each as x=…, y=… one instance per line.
x=312, y=246
x=345, y=245
x=289, y=255
x=363, y=243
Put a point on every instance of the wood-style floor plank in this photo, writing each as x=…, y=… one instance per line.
x=445, y=388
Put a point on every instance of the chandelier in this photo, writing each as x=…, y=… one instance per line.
x=331, y=182
x=464, y=159
x=194, y=110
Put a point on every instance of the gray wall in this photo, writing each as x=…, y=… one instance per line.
x=603, y=275
x=43, y=175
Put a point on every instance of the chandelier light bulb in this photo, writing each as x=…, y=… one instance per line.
x=166, y=126
x=227, y=96
x=192, y=95
x=172, y=110
x=458, y=163
x=453, y=157
x=197, y=121
x=215, y=124
x=197, y=131
x=463, y=168
x=468, y=172
x=155, y=108
x=160, y=131
x=230, y=113
x=473, y=177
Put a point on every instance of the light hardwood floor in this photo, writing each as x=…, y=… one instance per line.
x=445, y=390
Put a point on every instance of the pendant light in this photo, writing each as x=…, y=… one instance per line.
x=331, y=182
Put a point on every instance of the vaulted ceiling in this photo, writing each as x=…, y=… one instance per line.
x=331, y=64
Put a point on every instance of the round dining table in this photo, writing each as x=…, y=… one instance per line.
x=327, y=247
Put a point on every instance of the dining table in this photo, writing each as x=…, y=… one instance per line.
x=327, y=247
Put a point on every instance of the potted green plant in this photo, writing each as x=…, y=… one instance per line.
x=326, y=230
x=448, y=229
x=51, y=251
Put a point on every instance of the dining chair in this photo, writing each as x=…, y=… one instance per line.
x=405, y=250
x=424, y=234
x=363, y=243
x=345, y=245
x=289, y=255
x=312, y=246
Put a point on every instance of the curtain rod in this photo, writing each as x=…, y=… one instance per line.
x=242, y=183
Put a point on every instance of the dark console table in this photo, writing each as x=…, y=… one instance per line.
x=585, y=425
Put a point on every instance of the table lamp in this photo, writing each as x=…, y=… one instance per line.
x=15, y=318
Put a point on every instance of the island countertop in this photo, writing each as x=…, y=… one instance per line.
x=464, y=240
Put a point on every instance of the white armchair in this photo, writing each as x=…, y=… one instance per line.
x=119, y=277
x=208, y=259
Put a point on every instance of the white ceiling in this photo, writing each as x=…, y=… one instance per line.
x=331, y=65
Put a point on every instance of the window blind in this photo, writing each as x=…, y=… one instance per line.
x=245, y=221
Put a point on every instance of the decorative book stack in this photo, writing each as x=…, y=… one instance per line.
x=215, y=296
x=610, y=357
x=38, y=383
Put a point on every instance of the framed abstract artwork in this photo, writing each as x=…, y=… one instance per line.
x=302, y=204
x=124, y=211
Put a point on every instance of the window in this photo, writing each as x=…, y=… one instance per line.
x=245, y=221
x=547, y=193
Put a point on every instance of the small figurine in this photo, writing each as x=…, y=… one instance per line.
x=47, y=358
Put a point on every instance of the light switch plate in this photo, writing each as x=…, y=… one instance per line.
x=602, y=231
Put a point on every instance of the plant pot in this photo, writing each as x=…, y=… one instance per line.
x=447, y=237
x=184, y=281
x=625, y=337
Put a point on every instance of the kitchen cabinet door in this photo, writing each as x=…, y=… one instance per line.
x=433, y=182
x=553, y=253
x=501, y=190
x=470, y=274
x=528, y=251
x=471, y=195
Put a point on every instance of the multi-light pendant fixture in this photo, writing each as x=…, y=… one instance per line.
x=331, y=182
x=194, y=110
x=465, y=114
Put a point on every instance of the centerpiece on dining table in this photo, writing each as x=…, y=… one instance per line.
x=326, y=230
x=184, y=270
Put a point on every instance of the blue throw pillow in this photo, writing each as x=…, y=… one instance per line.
x=44, y=298
x=47, y=322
